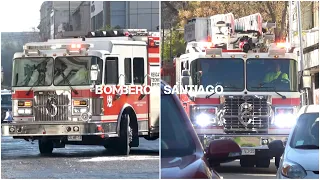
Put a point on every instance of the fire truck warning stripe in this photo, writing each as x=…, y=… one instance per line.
x=154, y=60
x=154, y=55
x=288, y=101
x=115, y=117
x=275, y=101
x=153, y=50
x=207, y=101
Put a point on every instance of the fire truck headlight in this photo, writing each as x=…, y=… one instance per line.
x=80, y=110
x=285, y=120
x=24, y=111
x=284, y=117
x=204, y=120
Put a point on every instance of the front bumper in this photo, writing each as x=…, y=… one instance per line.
x=59, y=128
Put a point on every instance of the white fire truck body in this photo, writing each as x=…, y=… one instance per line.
x=66, y=109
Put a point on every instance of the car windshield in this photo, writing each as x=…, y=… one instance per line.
x=6, y=99
x=272, y=75
x=35, y=71
x=219, y=71
x=73, y=70
x=306, y=132
x=176, y=140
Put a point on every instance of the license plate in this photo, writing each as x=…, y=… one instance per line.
x=248, y=151
x=74, y=138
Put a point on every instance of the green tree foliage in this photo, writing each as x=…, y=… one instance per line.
x=177, y=46
x=108, y=27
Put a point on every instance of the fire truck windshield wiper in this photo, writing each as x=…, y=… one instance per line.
x=208, y=96
x=37, y=67
x=36, y=83
x=67, y=80
x=274, y=90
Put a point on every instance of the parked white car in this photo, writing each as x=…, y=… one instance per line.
x=300, y=159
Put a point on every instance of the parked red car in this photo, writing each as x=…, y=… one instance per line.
x=182, y=155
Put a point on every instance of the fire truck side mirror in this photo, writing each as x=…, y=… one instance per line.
x=185, y=78
x=94, y=72
x=186, y=73
x=306, y=80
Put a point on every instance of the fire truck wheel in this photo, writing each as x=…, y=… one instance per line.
x=263, y=163
x=247, y=162
x=45, y=146
x=123, y=147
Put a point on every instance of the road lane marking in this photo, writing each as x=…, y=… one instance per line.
x=129, y=158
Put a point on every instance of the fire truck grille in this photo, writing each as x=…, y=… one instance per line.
x=248, y=114
x=45, y=111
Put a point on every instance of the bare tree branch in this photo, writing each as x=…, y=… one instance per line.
x=171, y=7
x=283, y=19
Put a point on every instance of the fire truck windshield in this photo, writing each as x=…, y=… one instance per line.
x=33, y=71
x=272, y=75
x=72, y=71
x=226, y=72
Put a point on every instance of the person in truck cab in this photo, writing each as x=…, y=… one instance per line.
x=276, y=74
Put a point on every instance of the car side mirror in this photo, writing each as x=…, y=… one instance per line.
x=94, y=72
x=222, y=150
x=306, y=80
x=185, y=78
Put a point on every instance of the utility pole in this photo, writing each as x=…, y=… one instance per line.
x=69, y=27
x=170, y=42
x=305, y=90
x=300, y=35
x=290, y=22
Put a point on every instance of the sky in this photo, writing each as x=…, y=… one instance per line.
x=19, y=15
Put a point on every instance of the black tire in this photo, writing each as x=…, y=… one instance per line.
x=247, y=162
x=45, y=146
x=263, y=163
x=123, y=144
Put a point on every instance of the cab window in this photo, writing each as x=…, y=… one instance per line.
x=111, y=70
x=138, y=70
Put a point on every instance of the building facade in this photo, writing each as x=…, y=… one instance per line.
x=310, y=44
x=60, y=16
x=124, y=14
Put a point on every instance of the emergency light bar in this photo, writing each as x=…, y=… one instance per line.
x=34, y=52
x=137, y=32
x=57, y=46
x=275, y=51
x=214, y=52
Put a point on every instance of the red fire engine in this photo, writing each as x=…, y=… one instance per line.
x=243, y=58
x=54, y=85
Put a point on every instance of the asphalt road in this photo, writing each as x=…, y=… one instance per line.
x=233, y=170
x=21, y=160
